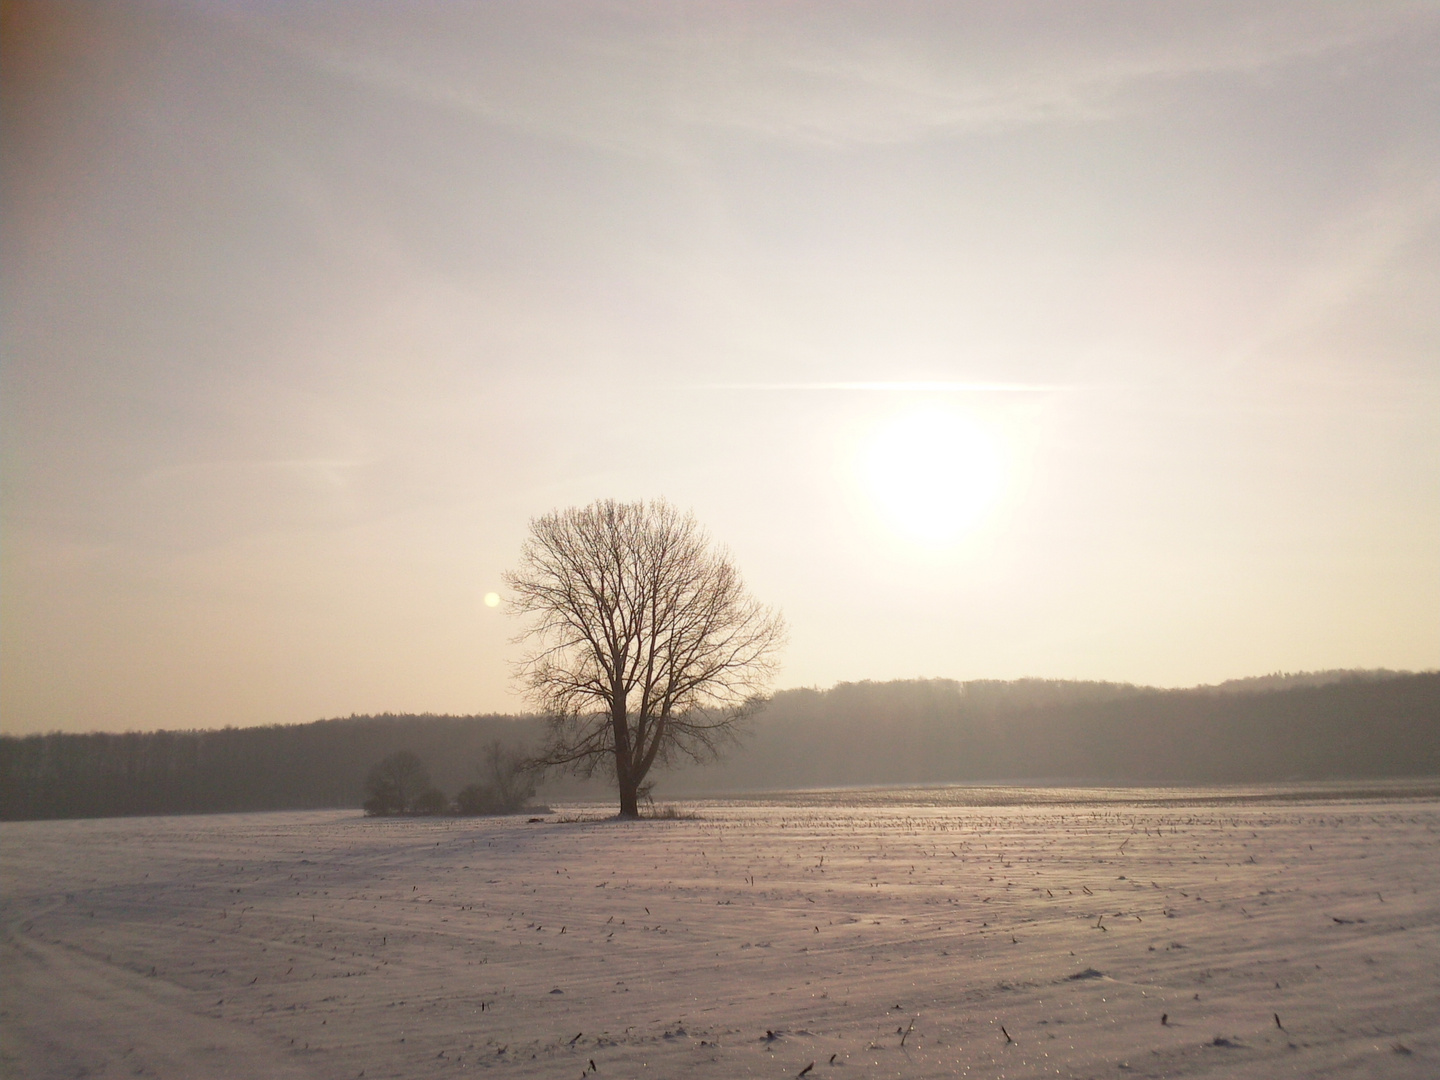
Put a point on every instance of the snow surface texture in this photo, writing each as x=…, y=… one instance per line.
x=912, y=936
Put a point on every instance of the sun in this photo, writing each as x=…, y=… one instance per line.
x=933, y=474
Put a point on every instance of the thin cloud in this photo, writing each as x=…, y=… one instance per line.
x=918, y=387
x=320, y=472
x=1350, y=256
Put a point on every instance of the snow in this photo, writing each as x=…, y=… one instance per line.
x=903, y=933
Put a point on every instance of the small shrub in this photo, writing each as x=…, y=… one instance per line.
x=381, y=797
x=474, y=799
x=670, y=813
x=400, y=784
x=430, y=802
x=508, y=784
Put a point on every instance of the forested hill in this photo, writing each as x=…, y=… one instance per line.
x=1357, y=725
x=1336, y=726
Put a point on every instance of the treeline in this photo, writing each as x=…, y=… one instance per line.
x=1342, y=725
x=291, y=766
x=1359, y=725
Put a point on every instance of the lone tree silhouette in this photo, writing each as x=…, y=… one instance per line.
x=645, y=644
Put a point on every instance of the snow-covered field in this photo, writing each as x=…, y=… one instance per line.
x=911, y=935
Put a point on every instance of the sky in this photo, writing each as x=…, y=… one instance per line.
x=993, y=340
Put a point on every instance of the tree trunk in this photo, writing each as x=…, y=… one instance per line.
x=624, y=761
x=629, y=800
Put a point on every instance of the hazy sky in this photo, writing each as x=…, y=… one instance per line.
x=1061, y=339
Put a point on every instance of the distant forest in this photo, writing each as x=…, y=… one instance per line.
x=1350, y=726
x=282, y=767
x=1333, y=725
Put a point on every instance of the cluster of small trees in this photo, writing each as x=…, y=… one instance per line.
x=400, y=784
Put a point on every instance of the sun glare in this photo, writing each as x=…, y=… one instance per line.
x=933, y=474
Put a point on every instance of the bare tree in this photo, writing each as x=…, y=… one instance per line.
x=645, y=644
